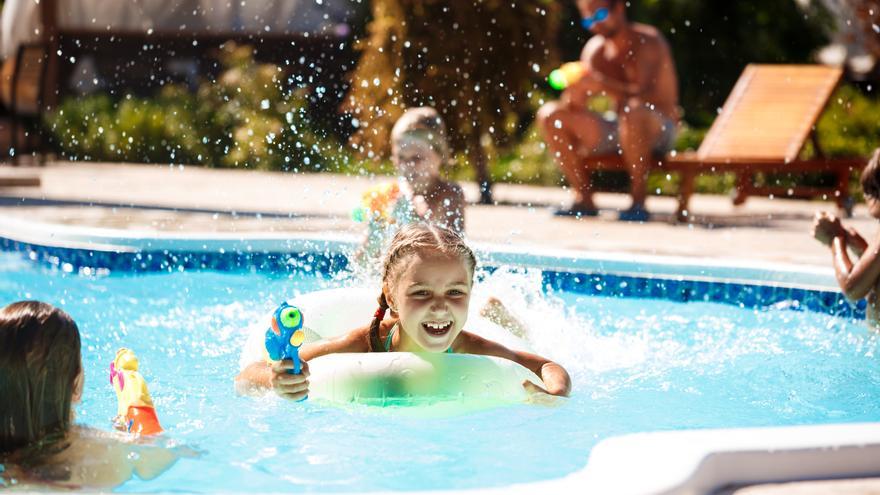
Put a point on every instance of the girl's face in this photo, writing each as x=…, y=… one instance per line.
x=415, y=160
x=431, y=299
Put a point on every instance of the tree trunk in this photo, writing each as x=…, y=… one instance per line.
x=477, y=159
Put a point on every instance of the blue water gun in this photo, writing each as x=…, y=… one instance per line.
x=285, y=335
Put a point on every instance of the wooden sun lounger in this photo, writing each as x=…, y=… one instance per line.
x=762, y=128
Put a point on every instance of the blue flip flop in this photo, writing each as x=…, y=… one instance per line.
x=636, y=214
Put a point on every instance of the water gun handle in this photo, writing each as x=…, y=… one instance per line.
x=297, y=366
x=285, y=336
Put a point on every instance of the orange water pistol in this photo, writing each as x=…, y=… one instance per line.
x=135, y=412
x=377, y=203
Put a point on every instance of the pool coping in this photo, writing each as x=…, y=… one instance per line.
x=682, y=461
x=693, y=268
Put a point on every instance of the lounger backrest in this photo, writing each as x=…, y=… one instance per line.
x=769, y=113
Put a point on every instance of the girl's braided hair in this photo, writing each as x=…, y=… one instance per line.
x=409, y=240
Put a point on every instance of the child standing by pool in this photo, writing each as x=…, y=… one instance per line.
x=427, y=279
x=861, y=278
x=419, y=149
x=41, y=377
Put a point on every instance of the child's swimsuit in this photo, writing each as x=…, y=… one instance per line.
x=391, y=335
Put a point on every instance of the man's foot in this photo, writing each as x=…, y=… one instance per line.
x=634, y=214
x=577, y=210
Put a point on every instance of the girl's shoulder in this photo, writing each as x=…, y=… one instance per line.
x=469, y=343
x=89, y=459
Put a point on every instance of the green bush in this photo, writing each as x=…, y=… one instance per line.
x=243, y=119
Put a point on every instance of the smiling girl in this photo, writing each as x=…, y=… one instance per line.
x=427, y=279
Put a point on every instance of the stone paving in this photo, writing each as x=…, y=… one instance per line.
x=195, y=199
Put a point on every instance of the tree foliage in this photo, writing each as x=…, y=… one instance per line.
x=477, y=62
x=246, y=118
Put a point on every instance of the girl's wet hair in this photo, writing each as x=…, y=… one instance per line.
x=870, y=179
x=39, y=362
x=409, y=240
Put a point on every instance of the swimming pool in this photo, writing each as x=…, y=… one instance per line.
x=645, y=354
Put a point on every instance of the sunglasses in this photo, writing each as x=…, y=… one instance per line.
x=598, y=16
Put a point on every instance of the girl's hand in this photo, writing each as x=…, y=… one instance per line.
x=538, y=395
x=826, y=227
x=287, y=385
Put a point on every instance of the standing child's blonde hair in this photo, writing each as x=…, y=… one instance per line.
x=425, y=124
x=409, y=240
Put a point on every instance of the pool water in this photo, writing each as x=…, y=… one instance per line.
x=636, y=365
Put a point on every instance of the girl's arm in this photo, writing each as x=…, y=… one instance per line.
x=555, y=378
x=855, y=241
x=856, y=280
x=260, y=376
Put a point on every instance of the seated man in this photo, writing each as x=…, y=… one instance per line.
x=632, y=64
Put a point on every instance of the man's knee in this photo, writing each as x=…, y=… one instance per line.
x=548, y=114
x=641, y=124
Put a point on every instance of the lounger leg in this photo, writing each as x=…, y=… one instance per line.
x=685, y=190
x=744, y=187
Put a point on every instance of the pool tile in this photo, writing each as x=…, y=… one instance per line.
x=326, y=265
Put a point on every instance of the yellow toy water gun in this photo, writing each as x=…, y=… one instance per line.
x=566, y=75
x=377, y=203
x=135, y=412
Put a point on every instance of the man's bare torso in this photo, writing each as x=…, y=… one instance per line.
x=642, y=60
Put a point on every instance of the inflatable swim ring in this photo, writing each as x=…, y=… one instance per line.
x=394, y=378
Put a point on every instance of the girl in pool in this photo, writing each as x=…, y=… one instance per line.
x=419, y=149
x=426, y=286
x=41, y=376
x=862, y=278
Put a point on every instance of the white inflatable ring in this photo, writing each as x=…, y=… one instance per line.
x=392, y=378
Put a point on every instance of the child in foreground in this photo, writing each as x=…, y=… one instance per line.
x=419, y=149
x=41, y=377
x=860, y=279
x=427, y=279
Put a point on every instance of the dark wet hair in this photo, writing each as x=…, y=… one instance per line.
x=870, y=179
x=40, y=360
x=409, y=240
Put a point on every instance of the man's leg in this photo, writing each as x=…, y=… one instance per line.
x=640, y=128
x=566, y=131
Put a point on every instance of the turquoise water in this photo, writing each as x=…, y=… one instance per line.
x=636, y=365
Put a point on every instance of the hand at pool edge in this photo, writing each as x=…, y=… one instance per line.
x=288, y=385
x=539, y=395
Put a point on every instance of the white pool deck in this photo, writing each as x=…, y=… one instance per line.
x=117, y=206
